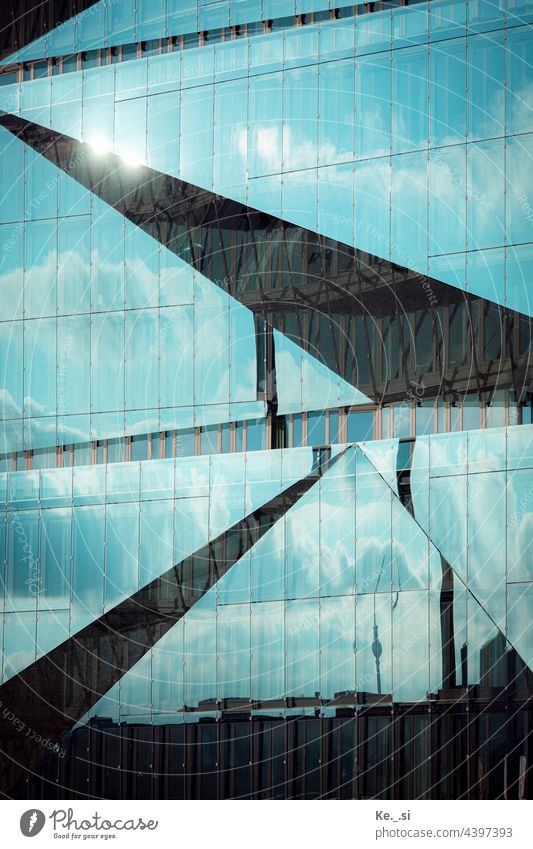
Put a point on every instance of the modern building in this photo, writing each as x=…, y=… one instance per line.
x=266, y=440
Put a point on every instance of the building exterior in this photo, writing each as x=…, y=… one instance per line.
x=266, y=451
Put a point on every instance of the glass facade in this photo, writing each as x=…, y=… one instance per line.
x=266, y=444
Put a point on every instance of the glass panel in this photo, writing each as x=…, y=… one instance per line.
x=302, y=647
x=264, y=138
x=156, y=552
x=486, y=74
x=302, y=546
x=54, y=558
x=23, y=582
x=485, y=198
x=337, y=646
x=373, y=641
x=87, y=565
x=359, y=426
x=40, y=366
x=409, y=208
x=107, y=374
x=130, y=128
x=11, y=163
x=233, y=649
x=196, y=142
x=268, y=565
x=410, y=651
x=230, y=136
x=447, y=100
x=267, y=645
x=519, y=80
x=409, y=99
x=141, y=354
x=73, y=377
x=19, y=642
x=372, y=206
x=486, y=542
x=372, y=106
x=255, y=435
x=337, y=530
x=519, y=204
x=122, y=544
x=447, y=202
x=336, y=112
x=200, y=652
x=300, y=117
x=107, y=260
x=73, y=287
x=373, y=524
x=11, y=274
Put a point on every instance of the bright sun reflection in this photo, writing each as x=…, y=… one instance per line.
x=99, y=145
x=131, y=159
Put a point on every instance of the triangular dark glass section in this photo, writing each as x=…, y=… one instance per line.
x=383, y=328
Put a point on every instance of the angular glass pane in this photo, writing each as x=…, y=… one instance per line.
x=87, y=565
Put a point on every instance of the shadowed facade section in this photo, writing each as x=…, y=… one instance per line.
x=381, y=327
